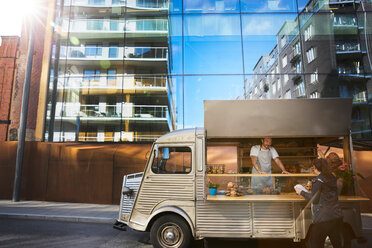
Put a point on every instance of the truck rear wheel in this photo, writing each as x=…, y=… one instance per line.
x=170, y=231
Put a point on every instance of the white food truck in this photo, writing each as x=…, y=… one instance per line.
x=171, y=200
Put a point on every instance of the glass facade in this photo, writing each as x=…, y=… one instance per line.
x=132, y=70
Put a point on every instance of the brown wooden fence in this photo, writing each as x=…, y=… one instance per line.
x=70, y=172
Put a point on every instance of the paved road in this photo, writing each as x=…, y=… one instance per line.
x=40, y=233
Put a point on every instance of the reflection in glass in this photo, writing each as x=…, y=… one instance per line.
x=211, y=6
x=212, y=44
x=200, y=88
x=268, y=6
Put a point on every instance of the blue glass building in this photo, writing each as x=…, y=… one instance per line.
x=132, y=70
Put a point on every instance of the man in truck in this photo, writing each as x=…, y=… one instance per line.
x=261, y=156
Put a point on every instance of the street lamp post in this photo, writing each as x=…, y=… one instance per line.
x=23, y=117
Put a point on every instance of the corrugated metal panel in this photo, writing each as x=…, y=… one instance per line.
x=158, y=188
x=273, y=220
x=199, y=187
x=132, y=181
x=223, y=219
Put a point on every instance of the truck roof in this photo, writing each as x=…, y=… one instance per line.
x=181, y=135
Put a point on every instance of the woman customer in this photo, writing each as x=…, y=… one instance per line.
x=327, y=214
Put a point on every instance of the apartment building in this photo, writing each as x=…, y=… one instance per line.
x=323, y=52
x=108, y=72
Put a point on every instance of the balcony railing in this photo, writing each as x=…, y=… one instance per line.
x=344, y=21
x=158, y=4
x=350, y=70
x=100, y=25
x=114, y=53
x=102, y=111
x=347, y=47
x=112, y=82
x=361, y=97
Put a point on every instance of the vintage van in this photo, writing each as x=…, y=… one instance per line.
x=170, y=198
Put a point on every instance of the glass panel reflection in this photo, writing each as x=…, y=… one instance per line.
x=212, y=44
x=211, y=6
x=200, y=88
x=268, y=6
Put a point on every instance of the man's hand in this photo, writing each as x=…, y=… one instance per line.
x=285, y=172
x=261, y=172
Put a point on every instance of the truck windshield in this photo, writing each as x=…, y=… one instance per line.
x=172, y=160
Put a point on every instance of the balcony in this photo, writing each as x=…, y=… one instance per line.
x=102, y=112
x=114, y=54
x=135, y=4
x=348, y=47
x=113, y=84
x=352, y=73
x=115, y=28
x=335, y=2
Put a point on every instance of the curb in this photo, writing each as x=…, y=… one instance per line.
x=79, y=219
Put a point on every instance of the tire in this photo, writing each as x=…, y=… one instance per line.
x=170, y=231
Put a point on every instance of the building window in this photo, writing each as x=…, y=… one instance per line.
x=286, y=78
x=283, y=40
x=91, y=74
x=300, y=89
x=297, y=48
x=284, y=61
x=94, y=24
x=315, y=94
x=113, y=51
x=287, y=95
x=298, y=67
x=314, y=77
x=273, y=86
x=93, y=50
x=111, y=74
x=308, y=32
x=310, y=54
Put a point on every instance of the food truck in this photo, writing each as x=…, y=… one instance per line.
x=171, y=199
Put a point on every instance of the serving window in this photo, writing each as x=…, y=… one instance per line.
x=230, y=166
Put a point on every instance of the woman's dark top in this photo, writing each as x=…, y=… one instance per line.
x=325, y=206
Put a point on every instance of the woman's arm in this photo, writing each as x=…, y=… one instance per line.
x=314, y=189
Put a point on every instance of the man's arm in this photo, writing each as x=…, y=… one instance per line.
x=281, y=166
x=255, y=164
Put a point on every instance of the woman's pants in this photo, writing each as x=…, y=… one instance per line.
x=320, y=231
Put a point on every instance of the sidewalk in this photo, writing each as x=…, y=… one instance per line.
x=81, y=212
x=62, y=211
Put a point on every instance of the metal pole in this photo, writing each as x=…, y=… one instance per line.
x=23, y=118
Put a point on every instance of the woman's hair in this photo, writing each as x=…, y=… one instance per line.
x=322, y=166
x=334, y=161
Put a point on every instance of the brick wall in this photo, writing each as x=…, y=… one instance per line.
x=8, y=53
x=39, y=34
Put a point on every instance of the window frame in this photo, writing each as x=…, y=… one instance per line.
x=162, y=145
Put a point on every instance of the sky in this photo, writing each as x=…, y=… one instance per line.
x=11, y=14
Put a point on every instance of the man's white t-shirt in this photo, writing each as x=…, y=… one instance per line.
x=256, y=149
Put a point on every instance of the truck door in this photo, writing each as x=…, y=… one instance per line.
x=169, y=178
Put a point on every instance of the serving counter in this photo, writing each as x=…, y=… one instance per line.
x=277, y=198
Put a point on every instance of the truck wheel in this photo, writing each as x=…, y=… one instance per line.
x=170, y=231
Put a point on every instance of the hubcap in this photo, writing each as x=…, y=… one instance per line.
x=170, y=235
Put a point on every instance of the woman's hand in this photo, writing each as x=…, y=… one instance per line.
x=298, y=191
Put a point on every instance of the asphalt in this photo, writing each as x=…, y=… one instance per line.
x=81, y=212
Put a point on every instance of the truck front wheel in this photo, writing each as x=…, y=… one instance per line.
x=170, y=231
